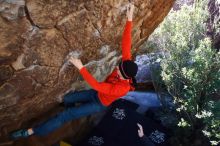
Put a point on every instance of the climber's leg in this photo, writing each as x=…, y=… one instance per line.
x=68, y=115
x=92, y=106
x=79, y=96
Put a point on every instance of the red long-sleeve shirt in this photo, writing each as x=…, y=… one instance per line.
x=113, y=87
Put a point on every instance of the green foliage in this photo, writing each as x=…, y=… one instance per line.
x=191, y=68
x=212, y=123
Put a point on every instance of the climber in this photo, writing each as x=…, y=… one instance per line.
x=116, y=85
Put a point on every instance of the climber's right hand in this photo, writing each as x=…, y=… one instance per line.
x=76, y=62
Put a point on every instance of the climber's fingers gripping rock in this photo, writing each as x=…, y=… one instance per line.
x=76, y=62
x=130, y=10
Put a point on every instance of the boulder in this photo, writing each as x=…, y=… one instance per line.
x=38, y=36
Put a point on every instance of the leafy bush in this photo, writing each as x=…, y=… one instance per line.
x=191, y=69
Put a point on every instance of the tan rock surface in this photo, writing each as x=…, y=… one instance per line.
x=37, y=36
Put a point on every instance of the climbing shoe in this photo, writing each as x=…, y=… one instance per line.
x=23, y=133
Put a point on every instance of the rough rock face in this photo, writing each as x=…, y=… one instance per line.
x=37, y=36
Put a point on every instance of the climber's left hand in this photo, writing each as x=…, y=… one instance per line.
x=130, y=11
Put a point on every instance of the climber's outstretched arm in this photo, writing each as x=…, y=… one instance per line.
x=126, y=38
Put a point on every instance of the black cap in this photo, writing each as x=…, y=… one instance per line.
x=128, y=69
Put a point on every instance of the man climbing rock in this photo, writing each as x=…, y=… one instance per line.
x=116, y=85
